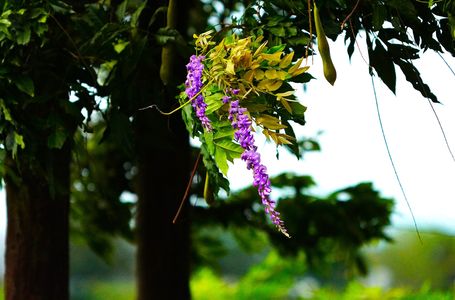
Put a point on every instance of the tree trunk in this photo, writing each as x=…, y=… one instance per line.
x=163, y=247
x=163, y=153
x=37, y=231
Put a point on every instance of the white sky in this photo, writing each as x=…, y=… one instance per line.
x=352, y=146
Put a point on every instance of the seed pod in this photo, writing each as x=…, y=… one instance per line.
x=208, y=193
x=330, y=73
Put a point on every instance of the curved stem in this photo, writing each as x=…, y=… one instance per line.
x=178, y=108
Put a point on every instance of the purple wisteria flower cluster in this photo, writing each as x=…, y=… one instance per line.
x=241, y=123
x=193, y=85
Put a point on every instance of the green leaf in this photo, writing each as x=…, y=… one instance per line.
x=275, y=49
x=25, y=84
x=221, y=161
x=104, y=71
x=382, y=63
x=121, y=10
x=5, y=111
x=301, y=78
x=235, y=150
x=136, y=14
x=57, y=139
x=12, y=141
x=208, y=137
x=413, y=76
x=23, y=37
x=224, y=133
x=214, y=102
x=278, y=31
x=187, y=116
x=19, y=140
x=294, y=147
x=298, y=113
x=120, y=46
x=61, y=7
x=217, y=179
x=5, y=22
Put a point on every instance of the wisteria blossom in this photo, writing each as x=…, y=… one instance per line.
x=241, y=122
x=193, y=85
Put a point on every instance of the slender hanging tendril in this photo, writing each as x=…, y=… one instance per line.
x=390, y=157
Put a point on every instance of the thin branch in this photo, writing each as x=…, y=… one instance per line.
x=348, y=17
x=356, y=43
x=188, y=186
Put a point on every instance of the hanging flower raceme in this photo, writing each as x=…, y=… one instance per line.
x=241, y=123
x=259, y=74
x=193, y=89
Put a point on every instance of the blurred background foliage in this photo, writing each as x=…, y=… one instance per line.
x=403, y=269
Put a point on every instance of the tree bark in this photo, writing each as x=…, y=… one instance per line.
x=162, y=247
x=37, y=232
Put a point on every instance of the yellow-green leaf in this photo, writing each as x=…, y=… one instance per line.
x=248, y=76
x=5, y=111
x=282, y=139
x=296, y=65
x=260, y=48
x=282, y=75
x=259, y=74
x=286, y=60
x=286, y=105
x=285, y=94
x=120, y=46
x=273, y=59
x=270, y=122
x=230, y=67
x=300, y=71
x=270, y=74
x=270, y=85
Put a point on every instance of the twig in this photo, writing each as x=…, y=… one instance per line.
x=175, y=110
x=188, y=186
x=356, y=43
x=348, y=17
